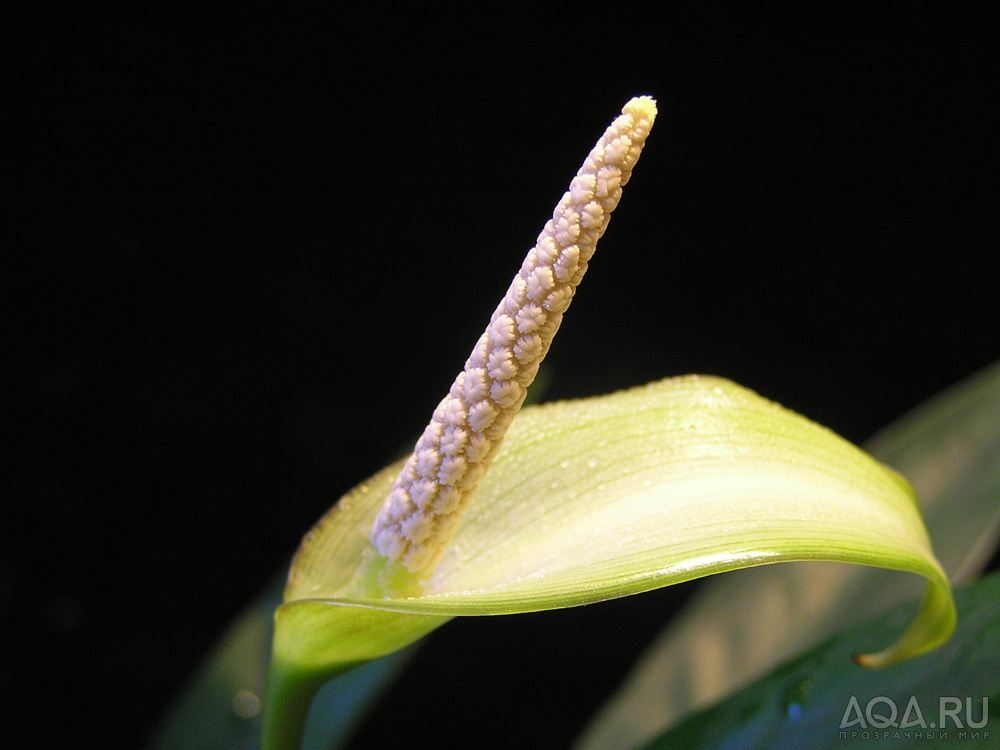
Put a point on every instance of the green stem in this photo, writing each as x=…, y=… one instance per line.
x=288, y=694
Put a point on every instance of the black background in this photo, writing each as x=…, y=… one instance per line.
x=255, y=250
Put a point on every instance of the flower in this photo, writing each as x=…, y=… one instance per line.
x=586, y=500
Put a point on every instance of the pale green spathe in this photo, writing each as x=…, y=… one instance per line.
x=605, y=497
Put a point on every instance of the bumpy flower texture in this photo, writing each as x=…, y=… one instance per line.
x=425, y=505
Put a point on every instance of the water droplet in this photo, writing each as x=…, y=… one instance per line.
x=554, y=485
x=246, y=705
x=592, y=463
x=564, y=464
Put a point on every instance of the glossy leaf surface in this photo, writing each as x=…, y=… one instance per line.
x=807, y=703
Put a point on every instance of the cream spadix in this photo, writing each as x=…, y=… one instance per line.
x=429, y=495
